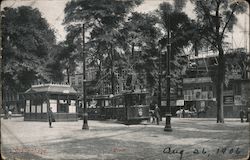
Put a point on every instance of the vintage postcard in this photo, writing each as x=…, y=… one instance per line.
x=125, y=79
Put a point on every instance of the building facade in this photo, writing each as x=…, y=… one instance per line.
x=199, y=85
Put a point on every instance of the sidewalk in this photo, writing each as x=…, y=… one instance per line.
x=191, y=138
x=13, y=115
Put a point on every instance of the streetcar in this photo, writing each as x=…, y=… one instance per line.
x=96, y=106
x=129, y=107
x=126, y=107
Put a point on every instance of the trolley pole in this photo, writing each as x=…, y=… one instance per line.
x=168, y=113
x=85, y=113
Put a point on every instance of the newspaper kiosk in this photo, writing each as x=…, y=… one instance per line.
x=61, y=98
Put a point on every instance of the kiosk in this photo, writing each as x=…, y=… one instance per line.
x=61, y=98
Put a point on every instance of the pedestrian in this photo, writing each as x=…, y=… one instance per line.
x=9, y=114
x=50, y=117
x=152, y=116
x=241, y=115
x=6, y=111
x=183, y=113
x=157, y=114
x=247, y=116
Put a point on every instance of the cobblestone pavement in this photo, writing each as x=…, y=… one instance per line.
x=191, y=139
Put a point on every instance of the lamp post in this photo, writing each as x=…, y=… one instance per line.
x=168, y=113
x=159, y=80
x=85, y=113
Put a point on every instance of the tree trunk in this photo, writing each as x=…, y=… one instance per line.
x=159, y=81
x=67, y=72
x=219, y=85
x=112, y=70
x=159, y=88
x=100, y=76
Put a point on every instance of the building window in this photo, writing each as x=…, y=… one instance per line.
x=80, y=80
x=237, y=89
x=73, y=81
x=210, y=88
x=204, y=88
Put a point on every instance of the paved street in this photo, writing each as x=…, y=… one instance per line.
x=190, y=139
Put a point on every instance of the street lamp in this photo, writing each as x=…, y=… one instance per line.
x=85, y=113
x=168, y=113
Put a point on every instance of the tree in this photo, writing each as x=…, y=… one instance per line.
x=177, y=30
x=27, y=40
x=215, y=19
x=68, y=56
x=141, y=65
x=54, y=66
x=102, y=19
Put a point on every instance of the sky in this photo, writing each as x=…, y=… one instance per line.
x=53, y=11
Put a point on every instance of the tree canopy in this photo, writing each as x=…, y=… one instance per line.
x=27, y=40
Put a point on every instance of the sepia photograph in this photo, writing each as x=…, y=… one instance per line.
x=125, y=80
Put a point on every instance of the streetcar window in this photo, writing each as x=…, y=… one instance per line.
x=134, y=99
x=121, y=102
x=128, y=100
x=99, y=103
x=118, y=101
x=142, y=99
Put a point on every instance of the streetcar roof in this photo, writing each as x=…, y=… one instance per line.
x=131, y=93
x=96, y=97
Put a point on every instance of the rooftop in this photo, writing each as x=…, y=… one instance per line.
x=52, y=88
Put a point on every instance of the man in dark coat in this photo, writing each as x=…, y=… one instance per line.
x=241, y=115
x=157, y=114
x=50, y=116
x=183, y=113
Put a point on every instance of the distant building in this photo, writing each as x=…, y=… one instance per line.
x=76, y=79
x=12, y=101
x=123, y=81
x=199, y=87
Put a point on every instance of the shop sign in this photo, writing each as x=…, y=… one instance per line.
x=238, y=100
x=197, y=80
x=235, y=73
x=228, y=99
x=180, y=102
x=197, y=94
x=164, y=103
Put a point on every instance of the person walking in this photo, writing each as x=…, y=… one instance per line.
x=183, y=113
x=9, y=114
x=6, y=112
x=157, y=114
x=241, y=115
x=50, y=117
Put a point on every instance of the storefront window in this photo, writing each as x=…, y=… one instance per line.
x=45, y=107
x=63, y=106
x=27, y=110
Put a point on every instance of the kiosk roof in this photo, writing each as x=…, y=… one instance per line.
x=52, y=88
